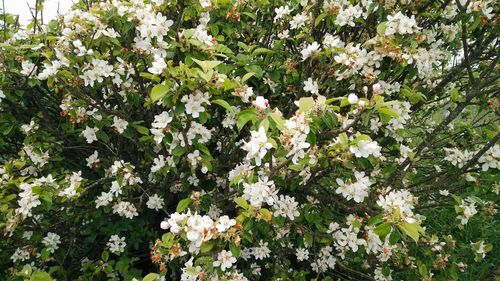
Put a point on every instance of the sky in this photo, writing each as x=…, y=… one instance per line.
x=20, y=7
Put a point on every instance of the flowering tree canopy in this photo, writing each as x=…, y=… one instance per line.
x=251, y=140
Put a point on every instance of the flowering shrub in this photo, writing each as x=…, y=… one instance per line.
x=251, y=140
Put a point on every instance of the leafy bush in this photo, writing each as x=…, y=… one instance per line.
x=251, y=140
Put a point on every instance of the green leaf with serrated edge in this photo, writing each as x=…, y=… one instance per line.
x=381, y=27
x=260, y=51
x=151, y=277
x=224, y=104
x=388, y=111
x=413, y=230
x=247, y=76
x=266, y=214
x=158, y=92
x=183, y=205
x=320, y=18
x=240, y=201
x=40, y=276
x=305, y=104
x=375, y=220
x=207, y=65
x=207, y=246
x=382, y=230
x=278, y=119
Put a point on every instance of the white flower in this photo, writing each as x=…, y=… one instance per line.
x=302, y=254
x=104, y=199
x=20, y=255
x=286, y=206
x=74, y=182
x=258, y=146
x=310, y=50
x=401, y=202
x=161, y=120
x=116, y=244
x=155, y=202
x=93, y=159
x=198, y=229
x=29, y=68
x=2, y=95
x=205, y=3
x=214, y=212
x=90, y=134
x=51, y=241
x=224, y=223
x=311, y=86
x=444, y=192
x=164, y=225
x=357, y=190
x=225, y=260
x=194, y=103
x=119, y=124
x=366, y=148
x=158, y=163
x=353, y=99
x=158, y=66
x=97, y=70
x=27, y=128
x=468, y=209
x=262, y=251
x=281, y=12
x=298, y=21
x=125, y=209
x=261, y=103
x=260, y=192
x=490, y=159
x=194, y=157
x=331, y=41
x=244, y=93
x=401, y=24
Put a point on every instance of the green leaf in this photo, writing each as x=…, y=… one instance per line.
x=168, y=239
x=388, y=111
x=141, y=129
x=207, y=76
x=40, y=276
x=240, y=201
x=278, y=119
x=247, y=76
x=375, y=220
x=382, y=230
x=183, y=205
x=255, y=69
x=105, y=256
x=158, y=92
x=266, y=214
x=224, y=104
x=413, y=230
x=251, y=15
x=305, y=104
x=381, y=27
x=207, y=64
x=394, y=237
x=320, y=18
x=151, y=277
x=235, y=250
x=260, y=51
x=245, y=116
x=455, y=95
x=150, y=76
x=207, y=247
x=308, y=238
